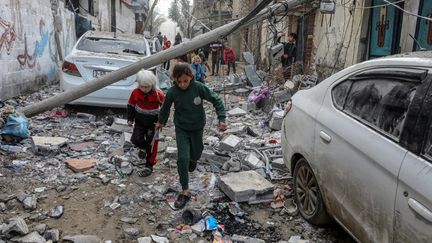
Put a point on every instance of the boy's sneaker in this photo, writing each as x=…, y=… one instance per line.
x=192, y=166
x=181, y=201
x=142, y=154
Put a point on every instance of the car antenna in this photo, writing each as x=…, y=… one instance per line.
x=417, y=43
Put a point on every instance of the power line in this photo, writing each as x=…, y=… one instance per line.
x=407, y=12
x=344, y=5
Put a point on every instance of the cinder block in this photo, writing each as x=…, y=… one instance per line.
x=230, y=143
x=253, y=161
x=246, y=186
x=281, y=96
x=276, y=120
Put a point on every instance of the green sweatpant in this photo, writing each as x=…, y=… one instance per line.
x=189, y=148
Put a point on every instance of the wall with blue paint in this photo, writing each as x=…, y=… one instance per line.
x=28, y=52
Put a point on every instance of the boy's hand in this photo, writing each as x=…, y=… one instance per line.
x=130, y=123
x=158, y=126
x=222, y=126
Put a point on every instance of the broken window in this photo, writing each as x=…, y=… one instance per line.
x=381, y=103
x=113, y=46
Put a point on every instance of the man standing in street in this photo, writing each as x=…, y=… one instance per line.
x=215, y=51
x=290, y=51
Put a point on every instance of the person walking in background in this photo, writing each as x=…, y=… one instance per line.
x=187, y=95
x=229, y=57
x=160, y=38
x=215, y=51
x=167, y=44
x=289, y=56
x=203, y=57
x=143, y=110
x=177, y=41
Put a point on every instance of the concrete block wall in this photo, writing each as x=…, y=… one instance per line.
x=28, y=54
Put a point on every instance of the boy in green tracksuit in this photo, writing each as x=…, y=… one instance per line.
x=189, y=120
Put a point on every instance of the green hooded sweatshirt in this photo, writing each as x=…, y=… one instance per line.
x=189, y=113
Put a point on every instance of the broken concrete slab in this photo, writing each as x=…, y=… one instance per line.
x=281, y=96
x=276, y=120
x=120, y=125
x=33, y=237
x=247, y=106
x=82, y=239
x=252, y=77
x=16, y=225
x=230, y=143
x=145, y=240
x=44, y=145
x=253, y=161
x=279, y=164
x=246, y=186
x=80, y=165
x=236, y=130
x=236, y=112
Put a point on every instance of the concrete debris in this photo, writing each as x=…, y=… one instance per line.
x=46, y=145
x=40, y=228
x=86, y=116
x=30, y=202
x=279, y=164
x=297, y=239
x=56, y=212
x=129, y=220
x=236, y=112
x=245, y=239
x=82, y=239
x=17, y=226
x=52, y=234
x=276, y=120
x=125, y=141
x=131, y=232
x=120, y=126
x=255, y=189
x=33, y=237
x=253, y=161
x=230, y=143
x=171, y=153
x=159, y=239
x=144, y=240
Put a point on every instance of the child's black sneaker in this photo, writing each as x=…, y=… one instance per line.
x=181, y=201
x=192, y=166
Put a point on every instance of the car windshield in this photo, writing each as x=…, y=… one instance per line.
x=113, y=46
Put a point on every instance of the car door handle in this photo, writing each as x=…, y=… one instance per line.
x=325, y=137
x=420, y=209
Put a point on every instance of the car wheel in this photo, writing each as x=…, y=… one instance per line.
x=307, y=195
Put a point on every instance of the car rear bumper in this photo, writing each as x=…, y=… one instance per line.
x=110, y=96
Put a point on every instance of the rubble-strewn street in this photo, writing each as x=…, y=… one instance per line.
x=76, y=179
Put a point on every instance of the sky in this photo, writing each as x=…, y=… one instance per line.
x=169, y=27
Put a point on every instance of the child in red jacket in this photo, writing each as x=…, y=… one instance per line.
x=229, y=57
x=143, y=109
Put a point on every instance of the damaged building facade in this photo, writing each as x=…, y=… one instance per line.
x=32, y=42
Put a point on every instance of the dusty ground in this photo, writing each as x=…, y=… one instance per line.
x=87, y=199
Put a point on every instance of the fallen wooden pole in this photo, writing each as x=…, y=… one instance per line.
x=161, y=57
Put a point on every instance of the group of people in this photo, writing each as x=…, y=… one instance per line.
x=148, y=111
x=220, y=54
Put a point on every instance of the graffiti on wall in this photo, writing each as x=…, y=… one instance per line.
x=7, y=36
x=28, y=60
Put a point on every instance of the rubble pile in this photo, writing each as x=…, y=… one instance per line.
x=74, y=178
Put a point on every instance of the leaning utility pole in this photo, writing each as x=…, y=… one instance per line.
x=150, y=61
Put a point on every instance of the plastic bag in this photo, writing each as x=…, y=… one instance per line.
x=259, y=96
x=16, y=126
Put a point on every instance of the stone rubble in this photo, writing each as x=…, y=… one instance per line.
x=81, y=168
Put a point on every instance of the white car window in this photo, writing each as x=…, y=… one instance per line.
x=114, y=46
x=381, y=103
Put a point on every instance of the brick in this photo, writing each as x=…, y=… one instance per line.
x=80, y=165
x=281, y=96
x=246, y=186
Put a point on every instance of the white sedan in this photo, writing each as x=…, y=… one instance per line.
x=359, y=145
x=97, y=53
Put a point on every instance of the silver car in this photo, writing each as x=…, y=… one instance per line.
x=359, y=146
x=97, y=53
